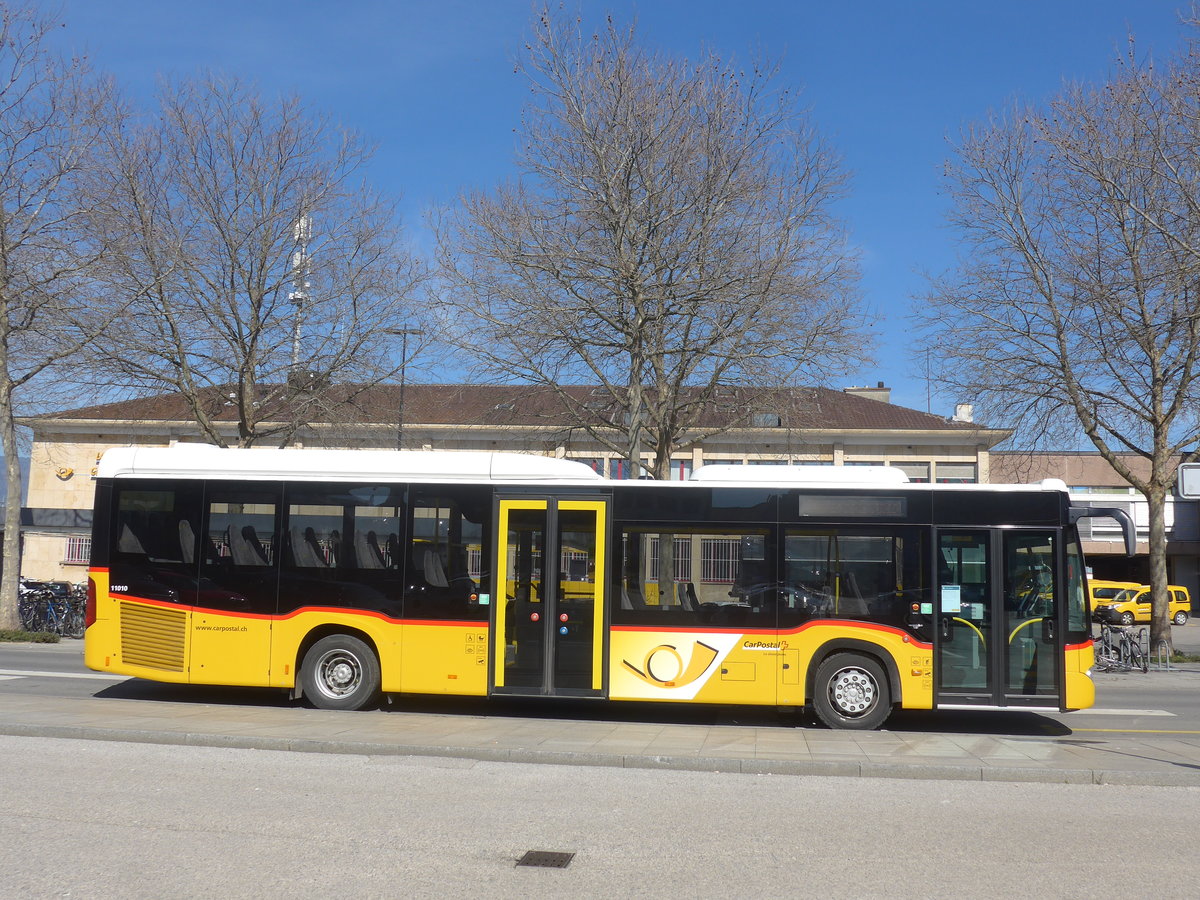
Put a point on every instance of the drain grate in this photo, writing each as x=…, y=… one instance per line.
x=546, y=859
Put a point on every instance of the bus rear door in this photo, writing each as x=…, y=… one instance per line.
x=998, y=635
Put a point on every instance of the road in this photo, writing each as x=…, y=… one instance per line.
x=83, y=818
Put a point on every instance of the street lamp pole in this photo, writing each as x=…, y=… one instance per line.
x=403, y=334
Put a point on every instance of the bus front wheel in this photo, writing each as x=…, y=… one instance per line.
x=340, y=672
x=852, y=691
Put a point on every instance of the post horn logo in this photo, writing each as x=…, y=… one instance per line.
x=664, y=667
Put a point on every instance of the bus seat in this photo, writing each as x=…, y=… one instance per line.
x=631, y=599
x=314, y=547
x=187, y=542
x=306, y=553
x=129, y=542
x=852, y=602
x=431, y=566
x=366, y=549
x=687, y=596
x=245, y=548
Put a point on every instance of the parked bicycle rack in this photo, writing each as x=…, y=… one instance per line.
x=1162, y=655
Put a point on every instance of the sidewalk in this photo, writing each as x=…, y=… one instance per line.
x=590, y=735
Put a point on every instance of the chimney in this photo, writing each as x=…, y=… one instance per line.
x=879, y=392
x=964, y=412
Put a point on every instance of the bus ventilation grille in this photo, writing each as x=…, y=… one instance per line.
x=152, y=636
x=546, y=859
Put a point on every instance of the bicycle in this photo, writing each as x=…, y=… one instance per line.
x=1119, y=650
x=27, y=611
x=74, y=613
x=42, y=610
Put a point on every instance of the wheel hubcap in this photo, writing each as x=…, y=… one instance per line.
x=338, y=674
x=852, y=691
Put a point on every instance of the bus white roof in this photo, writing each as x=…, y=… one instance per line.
x=723, y=475
x=208, y=461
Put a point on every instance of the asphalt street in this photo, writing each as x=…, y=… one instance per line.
x=126, y=821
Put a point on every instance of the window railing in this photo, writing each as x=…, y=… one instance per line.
x=79, y=551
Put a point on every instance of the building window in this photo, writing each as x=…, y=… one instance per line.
x=79, y=551
x=596, y=463
x=619, y=469
x=681, y=470
x=917, y=472
x=956, y=473
x=682, y=566
x=719, y=560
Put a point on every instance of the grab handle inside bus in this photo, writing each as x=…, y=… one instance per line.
x=1116, y=513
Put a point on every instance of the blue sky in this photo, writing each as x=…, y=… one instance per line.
x=431, y=83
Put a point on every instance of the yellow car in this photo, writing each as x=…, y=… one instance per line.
x=1133, y=605
x=1104, y=592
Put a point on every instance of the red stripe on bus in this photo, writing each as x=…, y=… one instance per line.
x=462, y=623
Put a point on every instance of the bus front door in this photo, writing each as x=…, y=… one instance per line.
x=548, y=627
x=998, y=635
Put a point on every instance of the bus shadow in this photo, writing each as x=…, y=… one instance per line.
x=163, y=692
x=990, y=722
x=1016, y=723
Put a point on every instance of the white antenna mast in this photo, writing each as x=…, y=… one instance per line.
x=301, y=280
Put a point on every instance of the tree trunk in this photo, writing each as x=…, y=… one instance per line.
x=12, y=512
x=1160, y=618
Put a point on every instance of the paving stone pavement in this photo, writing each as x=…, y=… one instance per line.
x=1031, y=748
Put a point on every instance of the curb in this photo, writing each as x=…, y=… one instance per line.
x=735, y=765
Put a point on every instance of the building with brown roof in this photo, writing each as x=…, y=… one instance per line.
x=796, y=426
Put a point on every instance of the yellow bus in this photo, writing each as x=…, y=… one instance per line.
x=343, y=575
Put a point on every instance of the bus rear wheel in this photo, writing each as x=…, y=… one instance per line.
x=852, y=691
x=340, y=672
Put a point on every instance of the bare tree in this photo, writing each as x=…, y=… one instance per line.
x=268, y=272
x=1075, y=306
x=52, y=115
x=671, y=236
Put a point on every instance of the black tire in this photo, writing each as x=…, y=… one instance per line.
x=1126, y=618
x=74, y=623
x=1181, y=617
x=340, y=672
x=1137, y=659
x=27, y=611
x=852, y=691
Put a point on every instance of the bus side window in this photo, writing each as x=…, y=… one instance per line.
x=240, y=567
x=681, y=576
x=448, y=539
x=855, y=573
x=155, y=552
